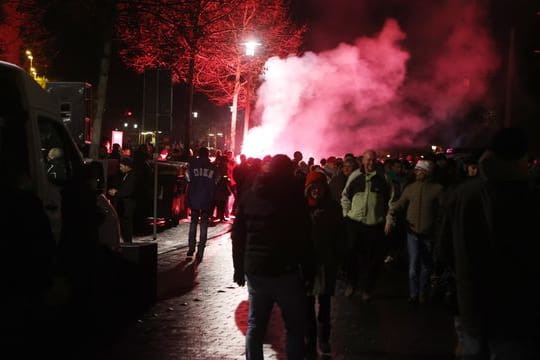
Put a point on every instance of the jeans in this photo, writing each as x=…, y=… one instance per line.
x=287, y=291
x=420, y=263
x=195, y=214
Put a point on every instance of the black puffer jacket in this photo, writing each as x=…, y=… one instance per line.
x=271, y=232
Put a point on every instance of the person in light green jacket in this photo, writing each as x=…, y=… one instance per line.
x=364, y=202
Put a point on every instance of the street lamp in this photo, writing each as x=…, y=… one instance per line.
x=30, y=57
x=250, y=46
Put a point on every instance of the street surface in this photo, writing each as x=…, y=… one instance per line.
x=202, y=314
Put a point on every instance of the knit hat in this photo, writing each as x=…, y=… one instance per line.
x=424, y=165
x=315, y=176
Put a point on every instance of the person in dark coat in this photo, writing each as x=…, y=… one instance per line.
x=326, y=237
x=495, y=251
x=200, y=199
x=125, y=196
x=271, y=249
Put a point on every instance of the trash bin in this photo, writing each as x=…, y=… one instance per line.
x=139, y=275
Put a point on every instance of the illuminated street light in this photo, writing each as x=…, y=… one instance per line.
x=30, y=57
x=251, y=45
x=250, y=51
x=195, y=114
x=126, y=124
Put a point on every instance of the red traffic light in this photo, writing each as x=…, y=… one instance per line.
x=129, y=113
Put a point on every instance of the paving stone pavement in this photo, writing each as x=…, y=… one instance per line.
x=202, y=314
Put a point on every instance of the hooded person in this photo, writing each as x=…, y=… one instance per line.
x=327, y=241
x=271, y=250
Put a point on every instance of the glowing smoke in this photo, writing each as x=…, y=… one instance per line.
x=358, y=96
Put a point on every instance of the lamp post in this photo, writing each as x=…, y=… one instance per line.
x=32, y=70
x=250, y=46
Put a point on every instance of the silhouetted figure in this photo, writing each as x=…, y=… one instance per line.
x=125, y=196
x=327, y=240
x=495, y=248
x=271, y=250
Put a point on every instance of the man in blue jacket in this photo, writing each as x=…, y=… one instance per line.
x=200, y=197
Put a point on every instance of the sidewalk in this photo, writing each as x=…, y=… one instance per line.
x=176, y=237
x=202, y=314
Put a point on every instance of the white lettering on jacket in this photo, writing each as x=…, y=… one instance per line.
x=203, y=172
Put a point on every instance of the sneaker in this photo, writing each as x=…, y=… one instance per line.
x=190, y=253
x=324, y=347
x=388, y=259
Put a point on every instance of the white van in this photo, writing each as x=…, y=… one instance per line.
x=38, y=153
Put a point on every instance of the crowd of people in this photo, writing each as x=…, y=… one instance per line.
x=299, y=226
x=460, y=225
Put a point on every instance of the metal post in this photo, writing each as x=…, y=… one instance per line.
x=156, y=154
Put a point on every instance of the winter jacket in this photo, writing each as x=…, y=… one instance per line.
x=496, y=248
x=421, y=200
x=270, y=234
x=365, y=197
x=202, y=184
x=328, y=243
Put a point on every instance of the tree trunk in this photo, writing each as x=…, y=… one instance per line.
x=101, y=95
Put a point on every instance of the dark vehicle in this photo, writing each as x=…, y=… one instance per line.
x=62, y=284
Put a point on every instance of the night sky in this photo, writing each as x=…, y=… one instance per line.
x=329, y=23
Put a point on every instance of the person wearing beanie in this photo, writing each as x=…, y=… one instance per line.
x=272, y=251
x=327, y=241
x=420, y=201
x=494, y=253
x=124, y=197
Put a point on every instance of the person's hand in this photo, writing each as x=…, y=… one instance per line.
x=387, y=228
x=112, y=192
x=239, y=278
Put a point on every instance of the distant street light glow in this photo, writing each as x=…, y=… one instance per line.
x=250, y=47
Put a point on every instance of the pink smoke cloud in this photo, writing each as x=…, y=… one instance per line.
x=359, y=96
